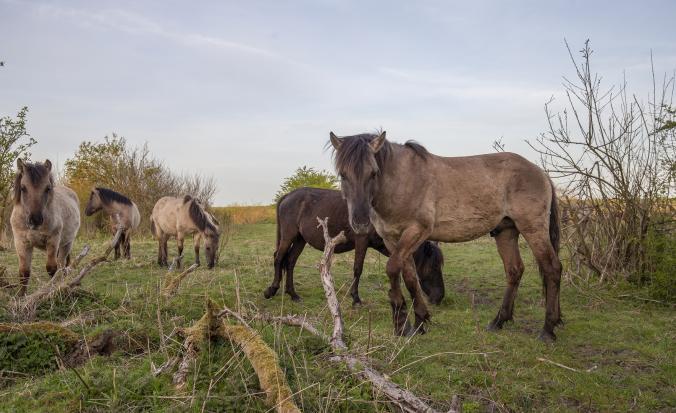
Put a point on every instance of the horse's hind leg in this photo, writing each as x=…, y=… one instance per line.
x=550, y=270
x=63, y=257
x=162, y=240
x=291, y=259
x=127, y=246
x=507, y=242
x=280, y=263
x=118, y=246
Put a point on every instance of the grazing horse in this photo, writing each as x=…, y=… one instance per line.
x=121, y=210
x=297, y=214
x=178, y=217
x=45, y=215
x=411, y=195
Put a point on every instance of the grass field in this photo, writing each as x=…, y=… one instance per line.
x=619, y=348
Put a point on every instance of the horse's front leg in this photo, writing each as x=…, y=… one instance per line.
x=25, y=253
x=197, y=240
x=52, y=255
x=401, y=261
x=360, y=247
x=180, y=238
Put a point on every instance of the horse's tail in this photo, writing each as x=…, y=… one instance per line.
x=279, y=231
x=554, y=222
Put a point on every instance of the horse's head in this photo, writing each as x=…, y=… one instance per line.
x=95, y=203
x=211, y=239
x=208, y=226
x=33, y=190
x=357, y=166
x=429, y=262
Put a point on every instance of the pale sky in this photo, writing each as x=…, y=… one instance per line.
x=248, y=91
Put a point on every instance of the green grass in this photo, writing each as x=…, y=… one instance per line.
x=620, y=346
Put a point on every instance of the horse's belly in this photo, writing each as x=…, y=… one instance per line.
x=460, y=230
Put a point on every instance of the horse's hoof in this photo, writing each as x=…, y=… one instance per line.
x=494, y=325
x=547, y=337
x=420, y=330
x=269, y=292
x=295, y=297
x=406, y=330
x=356, y=303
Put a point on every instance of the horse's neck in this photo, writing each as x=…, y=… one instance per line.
x=399, y=176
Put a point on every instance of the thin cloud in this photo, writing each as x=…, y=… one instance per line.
x=464, y=87
x=136, y=24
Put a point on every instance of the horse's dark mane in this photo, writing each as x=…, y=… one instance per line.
x=108, y=195
x=199, y=216
x=429, y=256
x=36, y=173
x=355, y=152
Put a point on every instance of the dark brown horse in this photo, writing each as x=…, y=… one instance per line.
x=297, y=214
x=411, y=195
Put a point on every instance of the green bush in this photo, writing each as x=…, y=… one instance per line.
x=661, y=253
x=32, y=352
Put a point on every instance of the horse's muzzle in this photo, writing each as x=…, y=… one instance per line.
x=35, y=220
x=360, y=229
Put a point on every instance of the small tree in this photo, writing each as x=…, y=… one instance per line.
x=14, y=143
x=307, y=176
x=614, y=155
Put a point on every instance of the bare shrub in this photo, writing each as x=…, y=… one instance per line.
x=132, y=171
x=613, y=155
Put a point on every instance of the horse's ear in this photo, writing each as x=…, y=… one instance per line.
x=186, y=198
x=335, y=141
x=48, y=165
x=377, y=142
x=19, y=165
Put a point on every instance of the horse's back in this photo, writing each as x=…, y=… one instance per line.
x=165, y=213
x=299, y=209
x=67, y=206
x=472, y=194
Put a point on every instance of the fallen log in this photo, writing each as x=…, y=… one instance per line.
x=263, y=359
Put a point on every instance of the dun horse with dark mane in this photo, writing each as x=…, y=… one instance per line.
x=45, y=216
x=121, y=211
x=411, y=195
x=297, y=214
x=178, y=217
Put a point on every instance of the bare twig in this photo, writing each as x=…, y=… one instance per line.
x=171, y=284
x=327, y=281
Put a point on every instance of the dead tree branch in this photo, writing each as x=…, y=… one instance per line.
x=24, y=308
x=327, y=282
x=171, y=284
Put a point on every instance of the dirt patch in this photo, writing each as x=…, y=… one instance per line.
x=488, y=296
x=627, y=359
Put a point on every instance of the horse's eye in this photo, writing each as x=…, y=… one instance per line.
x=48, y=189
x=343, y=177
x=23, y=188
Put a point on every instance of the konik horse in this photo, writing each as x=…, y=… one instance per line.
x=411, y=195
